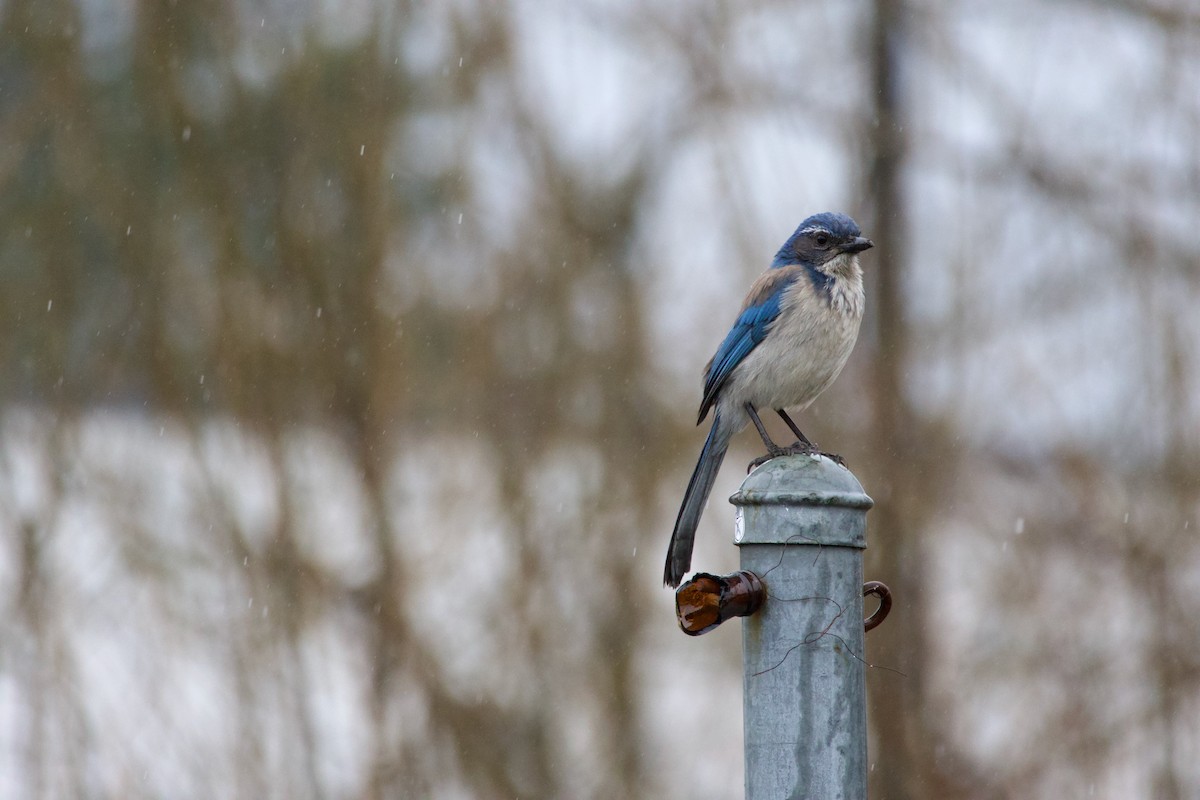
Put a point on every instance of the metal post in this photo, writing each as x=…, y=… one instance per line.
x=801, y=527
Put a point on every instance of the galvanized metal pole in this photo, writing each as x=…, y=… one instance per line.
x=801, y=527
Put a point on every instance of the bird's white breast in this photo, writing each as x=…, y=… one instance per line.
x=806, y=346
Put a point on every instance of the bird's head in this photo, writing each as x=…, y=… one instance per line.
x=827, y=241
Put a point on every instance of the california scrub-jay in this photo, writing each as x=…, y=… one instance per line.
x=792, y=338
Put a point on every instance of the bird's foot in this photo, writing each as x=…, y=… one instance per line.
x=835, y=458
x=797, y=449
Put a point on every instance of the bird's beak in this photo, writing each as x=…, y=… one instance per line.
x=857, y=245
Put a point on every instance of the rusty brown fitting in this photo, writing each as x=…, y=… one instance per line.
x=705, y=601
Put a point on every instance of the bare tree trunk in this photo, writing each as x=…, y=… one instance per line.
x=901, y=744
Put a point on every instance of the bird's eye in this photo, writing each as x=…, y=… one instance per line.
x=822, y=239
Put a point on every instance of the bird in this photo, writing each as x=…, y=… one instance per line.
x=790, y=341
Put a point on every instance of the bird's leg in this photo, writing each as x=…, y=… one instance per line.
x=800, y=437
x=773, y=450
x=802, y=440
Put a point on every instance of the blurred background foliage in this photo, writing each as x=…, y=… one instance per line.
x=350, y=354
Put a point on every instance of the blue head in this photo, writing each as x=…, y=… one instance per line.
x=820, y=239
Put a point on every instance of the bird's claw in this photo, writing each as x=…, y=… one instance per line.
x=797, y=449
x=835, y=458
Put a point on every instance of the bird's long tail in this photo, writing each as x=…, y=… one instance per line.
x=679, y=552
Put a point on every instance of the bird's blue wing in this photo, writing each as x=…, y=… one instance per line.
x=760, y=310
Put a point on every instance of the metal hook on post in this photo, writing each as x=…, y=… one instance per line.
x=884, y=594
